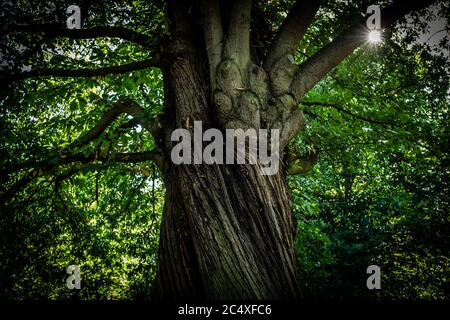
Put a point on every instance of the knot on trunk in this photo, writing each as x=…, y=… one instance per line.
x=229, y=76
x=259, y=85
x=249, y=109
x=238, y=101
x=281, y=74
x=224, y=106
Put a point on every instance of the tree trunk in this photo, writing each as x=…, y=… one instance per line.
x=227, y=230
x=227, y=233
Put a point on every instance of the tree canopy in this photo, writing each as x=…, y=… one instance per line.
x=80, y=111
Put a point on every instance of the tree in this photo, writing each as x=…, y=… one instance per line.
x=227, y=231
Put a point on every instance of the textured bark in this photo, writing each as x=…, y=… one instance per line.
x=227, y=233
x=227, y=230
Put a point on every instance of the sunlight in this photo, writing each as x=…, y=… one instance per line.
x=374, y=36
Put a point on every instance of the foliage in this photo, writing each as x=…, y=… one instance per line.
x=379, y=193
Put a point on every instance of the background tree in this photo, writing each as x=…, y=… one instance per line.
x=95, y=111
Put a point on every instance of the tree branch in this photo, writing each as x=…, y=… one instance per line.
x=339, y=108
x=62, y=158
x=44, y=167
x=129, y=107
x=237, y=44
x=55, y=30
x=16, y=187
x=291, y=31
x=107, y=118
x=134, y=157
x=84, y=73
x=212, y=28
x=314, y=68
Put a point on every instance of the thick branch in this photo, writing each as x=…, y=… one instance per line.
x=212, y=28
x=55, y=30
x=116, y=157
x=56, y=159
x=107, y=118
x=124, y=106
x=237, y=45
x=84, y=73
x=291, y=31
x=47, y=166
x=339, y=108
x=9, y=193
x=314, y=68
